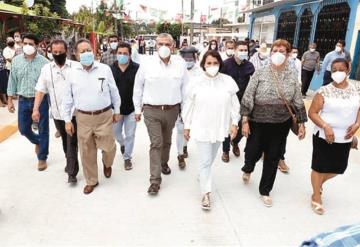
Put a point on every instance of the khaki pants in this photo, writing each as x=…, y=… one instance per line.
x=95, y=132
x=159, y=124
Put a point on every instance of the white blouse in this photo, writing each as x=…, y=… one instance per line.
x=340, y=110
x=210, y=107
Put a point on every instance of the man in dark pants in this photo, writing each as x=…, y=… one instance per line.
x=52, y=80
x=240, y=69
x=310, y=62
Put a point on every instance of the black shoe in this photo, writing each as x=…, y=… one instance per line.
x=122, y=149
x=185, y=152
x=154, y=189
x=128, y=165
x=165, y=169
x=72, y=179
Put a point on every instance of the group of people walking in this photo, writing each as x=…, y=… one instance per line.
x=217, y=101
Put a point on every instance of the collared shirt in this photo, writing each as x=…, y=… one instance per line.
x=258, y=61
x=241, y=73
x=159, y=84
x=125, y=83
x=108, y=57
x=24, y=75
x=330, y=57
x=8, y=53
x=90, y=90
x=53, y=80
x=310, y=60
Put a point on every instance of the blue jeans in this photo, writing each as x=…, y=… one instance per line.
x=24, y=119
x=128, y=123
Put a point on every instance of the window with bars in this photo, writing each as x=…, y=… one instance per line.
x=286, y=26
x=305, y=30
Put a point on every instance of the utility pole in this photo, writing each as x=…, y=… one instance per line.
x=192, y=22
x=182, y=17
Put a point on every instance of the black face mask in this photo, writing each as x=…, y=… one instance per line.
x=11, y=43
x=60, y=59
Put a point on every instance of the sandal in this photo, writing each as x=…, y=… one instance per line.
x=267, y=201
x=205, y=203
x=283, y=167
x=317, y=208
x=246, y=177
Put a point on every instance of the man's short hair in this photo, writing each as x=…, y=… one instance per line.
x=113, y=36
x=80, y=41
x=59, y=41
x=229, y=42
x=165, y=35
x=241, y=42
x=342, y=42
x=124, y=45
x=32, y=37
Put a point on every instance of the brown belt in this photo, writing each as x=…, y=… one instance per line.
x=162, y=107
x=95, y=112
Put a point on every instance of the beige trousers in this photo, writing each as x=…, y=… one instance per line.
x=95, y=132
x=159, y=124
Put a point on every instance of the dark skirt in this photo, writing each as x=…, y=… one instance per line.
x=3, y=81
x=329, y=158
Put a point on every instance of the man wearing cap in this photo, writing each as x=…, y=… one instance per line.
x=158, y=93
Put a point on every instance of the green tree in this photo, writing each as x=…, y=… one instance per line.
x=221, y=21
x=18, y=3
x=59, y=7
x=173, y=29
x=86, y=17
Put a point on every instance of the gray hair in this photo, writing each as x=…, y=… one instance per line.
x=165, y=35
x=80, y=41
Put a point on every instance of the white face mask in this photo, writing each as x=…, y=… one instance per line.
x=29, y=50
x=50, y=56
x=212, y=70
x=338, y=49
x=312, y=49
x=113, y=45
x=229, y=52
x=213, y=47
x=338, y=76
x=278, y=58
x=17, y=39
x=164, y=51
x=294, y=55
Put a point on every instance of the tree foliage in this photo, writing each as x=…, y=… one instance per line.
x=173, y=29
x=221, y=21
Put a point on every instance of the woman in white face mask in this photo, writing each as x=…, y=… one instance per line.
x=266, y=119
x=210, y=114
x=335, y=113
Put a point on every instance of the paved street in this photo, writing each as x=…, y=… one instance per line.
x=41, y=209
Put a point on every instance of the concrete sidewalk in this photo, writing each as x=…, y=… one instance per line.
x=8, y=123
x=41, y=209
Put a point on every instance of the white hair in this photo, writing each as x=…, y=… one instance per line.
x=165, y=35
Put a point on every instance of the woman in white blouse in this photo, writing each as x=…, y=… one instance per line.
x=211, y=111
x=335, y=110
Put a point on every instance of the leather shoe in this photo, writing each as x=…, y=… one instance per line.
x=182, y=163
x=225, y=157
x=72, y=180
x=154, y=189
x=128, y=165
x=90, y=188
x=165, y=169
x=107, y=171
x=42, y=165
x=236, y=150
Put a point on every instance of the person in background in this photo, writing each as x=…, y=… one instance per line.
x=260, y=59
x=24, y=74
x=8, y=54
x=124, y=71
x=52, y=82
x=151, y=46
x=109, y=57
x=142, y=46
x=134, y=52
x=339, y=52
x=92, y=91
x=222, y=45
x=335, y=111
x=189, y=54
x=240, y=69
x=265, y=117
x=104, y=45
x=3, y=81
x=213, y=45
x=184, y=44
x=158, y=92
x=215, y=91
x=254, y=48
x=48, y=54
x=228, y=50
x=18, y=43
x=310, y=62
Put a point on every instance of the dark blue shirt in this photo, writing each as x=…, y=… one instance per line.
x=241, y=73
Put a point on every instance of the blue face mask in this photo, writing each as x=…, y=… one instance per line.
x=122, y=59
x=87, y=58
x=190, y=64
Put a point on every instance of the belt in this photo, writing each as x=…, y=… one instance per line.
x=23, y=97
x=162, y=107
x=95, y=112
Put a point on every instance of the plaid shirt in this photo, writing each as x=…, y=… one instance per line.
x=348, y=236
x=108, y=57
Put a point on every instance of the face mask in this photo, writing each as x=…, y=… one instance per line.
x=87, y=58
x=190, y=64
x=312, y=49
x=294, y=55
x=278, y=58
x=338, y=76
x=113, y=45
x=213, y=47
x=50, y=56
x=338, y=49
x=205, y=44
x=122, y=59
x=212, y=70
x=11, y=43
x=29, y=50
x=243, y=55
x=17, y=39
x=60, y=59
x=164, y=51
x=229, y=52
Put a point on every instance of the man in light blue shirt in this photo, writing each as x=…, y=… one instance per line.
x=339, y=52
x=91, y=89
x=25, y=71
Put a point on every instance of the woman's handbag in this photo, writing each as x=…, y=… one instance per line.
x=294, y=123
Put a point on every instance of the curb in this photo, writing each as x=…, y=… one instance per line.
x=8, y=130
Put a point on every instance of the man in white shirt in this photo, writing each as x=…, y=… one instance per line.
x=9, y=52
x=229, y=50
x=52, y=81
x=91, y=89
x=296, y=62
x=158, y=91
